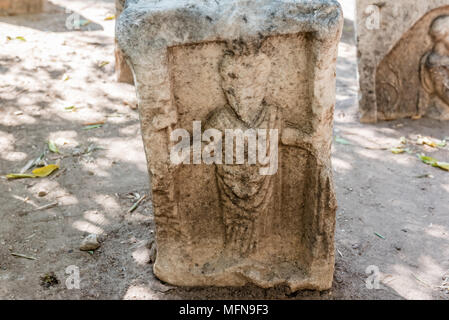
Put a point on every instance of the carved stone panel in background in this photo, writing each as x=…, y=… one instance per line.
x=413, y=79
x=434, y=72
x=263, y=65
x=15, y=7
x=402, y=61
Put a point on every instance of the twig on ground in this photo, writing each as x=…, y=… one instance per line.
x=340, y=253
x=58, y=174
x=375, y=148
x=22, y=256
x=135, y=205
x=47, y=206
x=33, y=162
x=422, y=281
x=93, y=123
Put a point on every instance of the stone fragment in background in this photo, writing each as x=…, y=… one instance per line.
x=16, y=7
x=403, y=58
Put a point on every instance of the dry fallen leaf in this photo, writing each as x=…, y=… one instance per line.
x=52, y=147
x=426, y=141
x=434, y=163
x=71, y=109
x=397, y=150
x=8, y=38
x=93, y=123
x=427, y=160
x=102, y=64
x=342, y=141
x=94, y=126
x=443, y=165
x=20, y=175
x=133, y=106
x=45, y=171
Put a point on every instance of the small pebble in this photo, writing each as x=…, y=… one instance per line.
x=42, y=193
x=90, y=243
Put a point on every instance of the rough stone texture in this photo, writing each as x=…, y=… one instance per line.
x=14, y=7
x=394, y=80
x=239, y=64
x=122, y=70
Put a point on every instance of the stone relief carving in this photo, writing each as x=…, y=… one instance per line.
x=434, y=72
x=247, y=198
x=245, y=194
x=253, y=209
x=416, y=85
x=222, y=224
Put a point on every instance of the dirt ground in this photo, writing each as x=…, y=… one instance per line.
x=393, y=209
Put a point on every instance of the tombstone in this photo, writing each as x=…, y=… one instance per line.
x=122, y=70
x=403, y=59
x=15, y=7
x=236, y=100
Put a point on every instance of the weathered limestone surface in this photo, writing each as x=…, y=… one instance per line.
x=403, y=64
x=14, y=7
x=122, y=70
x=238, y=64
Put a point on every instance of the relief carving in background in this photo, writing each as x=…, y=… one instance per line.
x=413, y=79
x=434, y=72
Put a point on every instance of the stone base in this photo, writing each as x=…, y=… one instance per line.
x=221, y=273
x=15, y=7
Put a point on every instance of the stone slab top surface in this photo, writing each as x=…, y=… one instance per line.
x=165, y=23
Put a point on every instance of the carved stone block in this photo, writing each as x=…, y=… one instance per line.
x=122, y=70
x=403, y=51
x=15, y=7
x=260, y=74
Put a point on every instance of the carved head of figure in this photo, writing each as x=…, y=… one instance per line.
x=244, y=75
x=439, y=31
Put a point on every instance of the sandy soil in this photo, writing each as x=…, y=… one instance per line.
x=398, y=197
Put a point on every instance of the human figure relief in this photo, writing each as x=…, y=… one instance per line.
x=245, y=194
x=434, y=72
